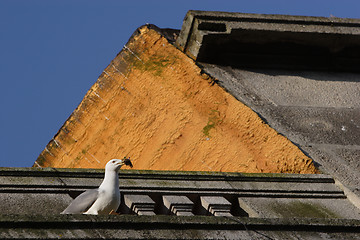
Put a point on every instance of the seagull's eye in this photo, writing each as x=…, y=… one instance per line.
x=113, y=161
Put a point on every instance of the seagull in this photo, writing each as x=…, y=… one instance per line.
x=103, y=200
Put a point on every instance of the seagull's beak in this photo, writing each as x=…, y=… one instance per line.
x=120, y=162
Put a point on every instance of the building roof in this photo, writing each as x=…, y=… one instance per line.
x=297, y=74
x=307, y=87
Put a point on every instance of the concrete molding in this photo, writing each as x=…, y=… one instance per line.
x=147, y=192
x=178, y=205
x=37, y=196
x=140, y=204
x=216, y=205
x=351, y=196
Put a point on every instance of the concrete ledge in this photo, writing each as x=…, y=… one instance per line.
x=198, y=222
x=146, y=174
x=169, y=227
x=49, y=191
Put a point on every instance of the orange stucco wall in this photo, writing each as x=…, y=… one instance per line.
x=154, y=104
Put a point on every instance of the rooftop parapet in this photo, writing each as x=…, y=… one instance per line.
x=49, y=191
x=177, y=205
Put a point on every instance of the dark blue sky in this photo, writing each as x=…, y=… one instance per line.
x=52, y=52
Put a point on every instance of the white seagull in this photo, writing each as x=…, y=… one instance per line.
x=102, y=200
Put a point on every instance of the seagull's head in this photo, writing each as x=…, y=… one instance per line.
x=115, y=164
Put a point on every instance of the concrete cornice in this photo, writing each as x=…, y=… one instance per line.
x=167, y=175
x=272, y=40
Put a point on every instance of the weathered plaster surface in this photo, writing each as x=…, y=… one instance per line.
x=154, y=104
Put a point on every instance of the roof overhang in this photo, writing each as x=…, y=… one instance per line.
x=259, y=40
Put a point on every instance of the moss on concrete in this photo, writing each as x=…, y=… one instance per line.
x=155, y=64
x=303, y=209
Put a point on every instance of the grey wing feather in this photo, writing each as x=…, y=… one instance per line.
x=82, y=202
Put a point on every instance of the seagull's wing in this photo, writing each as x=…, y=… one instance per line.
x=82, y=202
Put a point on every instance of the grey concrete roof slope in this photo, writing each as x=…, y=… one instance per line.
x=300, y=74
x=178, y=205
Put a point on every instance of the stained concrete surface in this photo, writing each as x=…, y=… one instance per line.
x=318, y=111
x=300, y=74
x=287, y=206
x=48, y=191
x=172, y=227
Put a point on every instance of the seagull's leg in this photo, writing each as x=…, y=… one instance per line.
x=113, y=213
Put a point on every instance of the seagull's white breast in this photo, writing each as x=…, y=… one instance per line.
x=106, y=202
